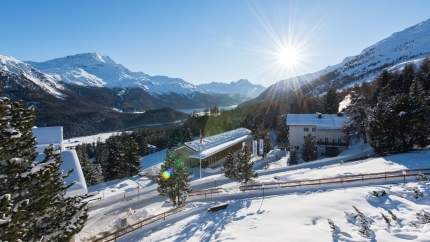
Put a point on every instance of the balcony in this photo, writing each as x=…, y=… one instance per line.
x=332, y=143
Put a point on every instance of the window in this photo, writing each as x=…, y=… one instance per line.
x=314, y=129
x=306, y=129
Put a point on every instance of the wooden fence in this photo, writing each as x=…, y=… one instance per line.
x=113, y=236
x=340, y=179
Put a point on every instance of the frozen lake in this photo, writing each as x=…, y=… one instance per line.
x=191, y=110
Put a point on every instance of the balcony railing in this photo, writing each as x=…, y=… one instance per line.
x=332, y=143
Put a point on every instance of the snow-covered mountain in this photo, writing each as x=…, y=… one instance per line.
x=405, y=46
x=241, y=87
x=29, y=75
x=93, y=69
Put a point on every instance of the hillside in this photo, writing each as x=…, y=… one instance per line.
x=407, y=46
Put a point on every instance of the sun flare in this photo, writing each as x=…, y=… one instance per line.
x=288, y=56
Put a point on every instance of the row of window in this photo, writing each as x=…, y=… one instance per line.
x=327, y=141
x=307, y=129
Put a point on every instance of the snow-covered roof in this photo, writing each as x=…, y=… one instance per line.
x=321, y=121
x=48, y=135
x=54, y=136
x=71, y=162
x=213, y=144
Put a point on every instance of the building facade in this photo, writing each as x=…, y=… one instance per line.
x=212, y=150
x=326, y=129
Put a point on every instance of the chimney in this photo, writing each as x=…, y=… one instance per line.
x=319, y=115
x=340, y=114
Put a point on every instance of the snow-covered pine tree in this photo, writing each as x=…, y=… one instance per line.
x=54, y=216
x=131, y=159
x=244, y=167
x=355, y=126
x=113, y=167
x=420, y=109
x=92, y=172
x=331, y=101
x=17, y=154
x=229, y=166
x=33, y=206
x=267, y=145
x=364, y=223
x=310, y=151
x=123, y=157
x=173, y=181
x=293, y=159
x=390, y=122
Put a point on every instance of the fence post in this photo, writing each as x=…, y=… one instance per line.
x=263, y=191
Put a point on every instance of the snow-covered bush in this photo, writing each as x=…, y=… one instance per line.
x=363, y=223
x=423, y=217
x=422, y=178
x=379, y=193
x=386, y=219
x=333, y=227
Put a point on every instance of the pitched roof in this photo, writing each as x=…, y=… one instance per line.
x=71, y=163
x=215, y=143
x=322, y=121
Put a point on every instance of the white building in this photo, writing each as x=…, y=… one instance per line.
x=327, y=129
x=46, y=136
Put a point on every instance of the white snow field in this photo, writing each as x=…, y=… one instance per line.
x=290, y=209
x=102, y=137
x=303, y=217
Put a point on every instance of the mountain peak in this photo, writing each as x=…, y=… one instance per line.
x=242, y=82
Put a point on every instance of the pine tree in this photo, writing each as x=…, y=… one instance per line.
x=400, y=118
x=173, y=181
x=123, y=158
x=55, y=217
x=114, y=168
x=389, y=124
x=240, y=168
x=244, y=167
x=310, y=151
x=33, y=205
x=267, y=145
x=132, y=156
x=17, y=154
x=293, y=159
x=229, y=166
x=331, y=101
x=92, y=172
x=357, y=112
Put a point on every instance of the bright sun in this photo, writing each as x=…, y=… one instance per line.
x=288, y=56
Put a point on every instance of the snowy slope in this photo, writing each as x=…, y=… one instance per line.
x=93, y=69
x=13, y=66
x=407, y=46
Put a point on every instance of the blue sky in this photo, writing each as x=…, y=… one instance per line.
x=203, y=41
